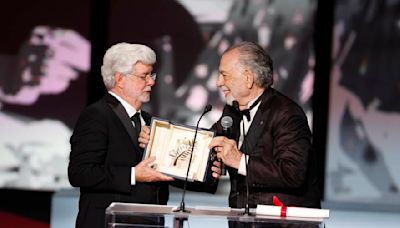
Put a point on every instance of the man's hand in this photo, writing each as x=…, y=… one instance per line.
x=144, y=172
x=216, y=169
x=144, y=136
x=227, y=151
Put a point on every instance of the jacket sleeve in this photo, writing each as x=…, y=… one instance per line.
x=89, y=148
x=281, y=158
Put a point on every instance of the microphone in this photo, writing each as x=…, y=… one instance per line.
x=206, y=109
x=182, y=205
x=235, y=105
x=226, y=123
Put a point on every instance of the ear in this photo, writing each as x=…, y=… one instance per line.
x=250, y=78
x=118, y=77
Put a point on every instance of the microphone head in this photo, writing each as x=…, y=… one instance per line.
x=235, y=105
x=207, y=108
x=226, y=122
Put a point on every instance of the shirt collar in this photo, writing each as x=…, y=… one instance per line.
x=252, y=101
x=130, y=110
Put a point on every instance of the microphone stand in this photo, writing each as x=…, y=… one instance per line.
x=226, y=124
x=246, y=156
x=235, y=104
x=182, y=205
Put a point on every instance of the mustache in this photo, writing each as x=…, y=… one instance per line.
x=223, y=88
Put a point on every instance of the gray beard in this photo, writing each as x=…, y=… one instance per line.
x=229, y=100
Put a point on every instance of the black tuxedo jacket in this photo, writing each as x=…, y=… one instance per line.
x=281, y=159
x=104, y=148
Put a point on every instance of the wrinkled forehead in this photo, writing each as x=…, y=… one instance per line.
x=229, y=60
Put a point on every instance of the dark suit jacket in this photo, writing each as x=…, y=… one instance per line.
x=104, y=147
x=282, y=162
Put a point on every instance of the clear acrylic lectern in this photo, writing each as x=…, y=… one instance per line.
x=125, y=215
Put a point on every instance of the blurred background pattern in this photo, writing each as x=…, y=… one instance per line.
x=338, y=60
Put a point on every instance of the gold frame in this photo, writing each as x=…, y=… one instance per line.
x=171, y=144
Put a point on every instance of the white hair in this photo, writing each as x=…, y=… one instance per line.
x=254, y=57
x=121, y=58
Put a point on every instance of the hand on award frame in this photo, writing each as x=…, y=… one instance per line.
x=144, y=136
x=145, y=173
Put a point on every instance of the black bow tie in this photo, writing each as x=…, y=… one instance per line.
x=246, y=112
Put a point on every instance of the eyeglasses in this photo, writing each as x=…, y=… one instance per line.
x=146, y=77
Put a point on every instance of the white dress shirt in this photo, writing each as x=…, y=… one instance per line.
x=247, y=123
x=130, y=110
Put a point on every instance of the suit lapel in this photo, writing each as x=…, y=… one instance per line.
x=146, y=117
x=258, y=124
x=120, y=111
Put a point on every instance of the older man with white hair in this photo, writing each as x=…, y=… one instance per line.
x=106, y=159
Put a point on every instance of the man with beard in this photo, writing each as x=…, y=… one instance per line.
x=270, y=132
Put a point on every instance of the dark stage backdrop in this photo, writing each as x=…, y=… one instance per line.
x=189, y=37
x=44, y=60
x=364, y=113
